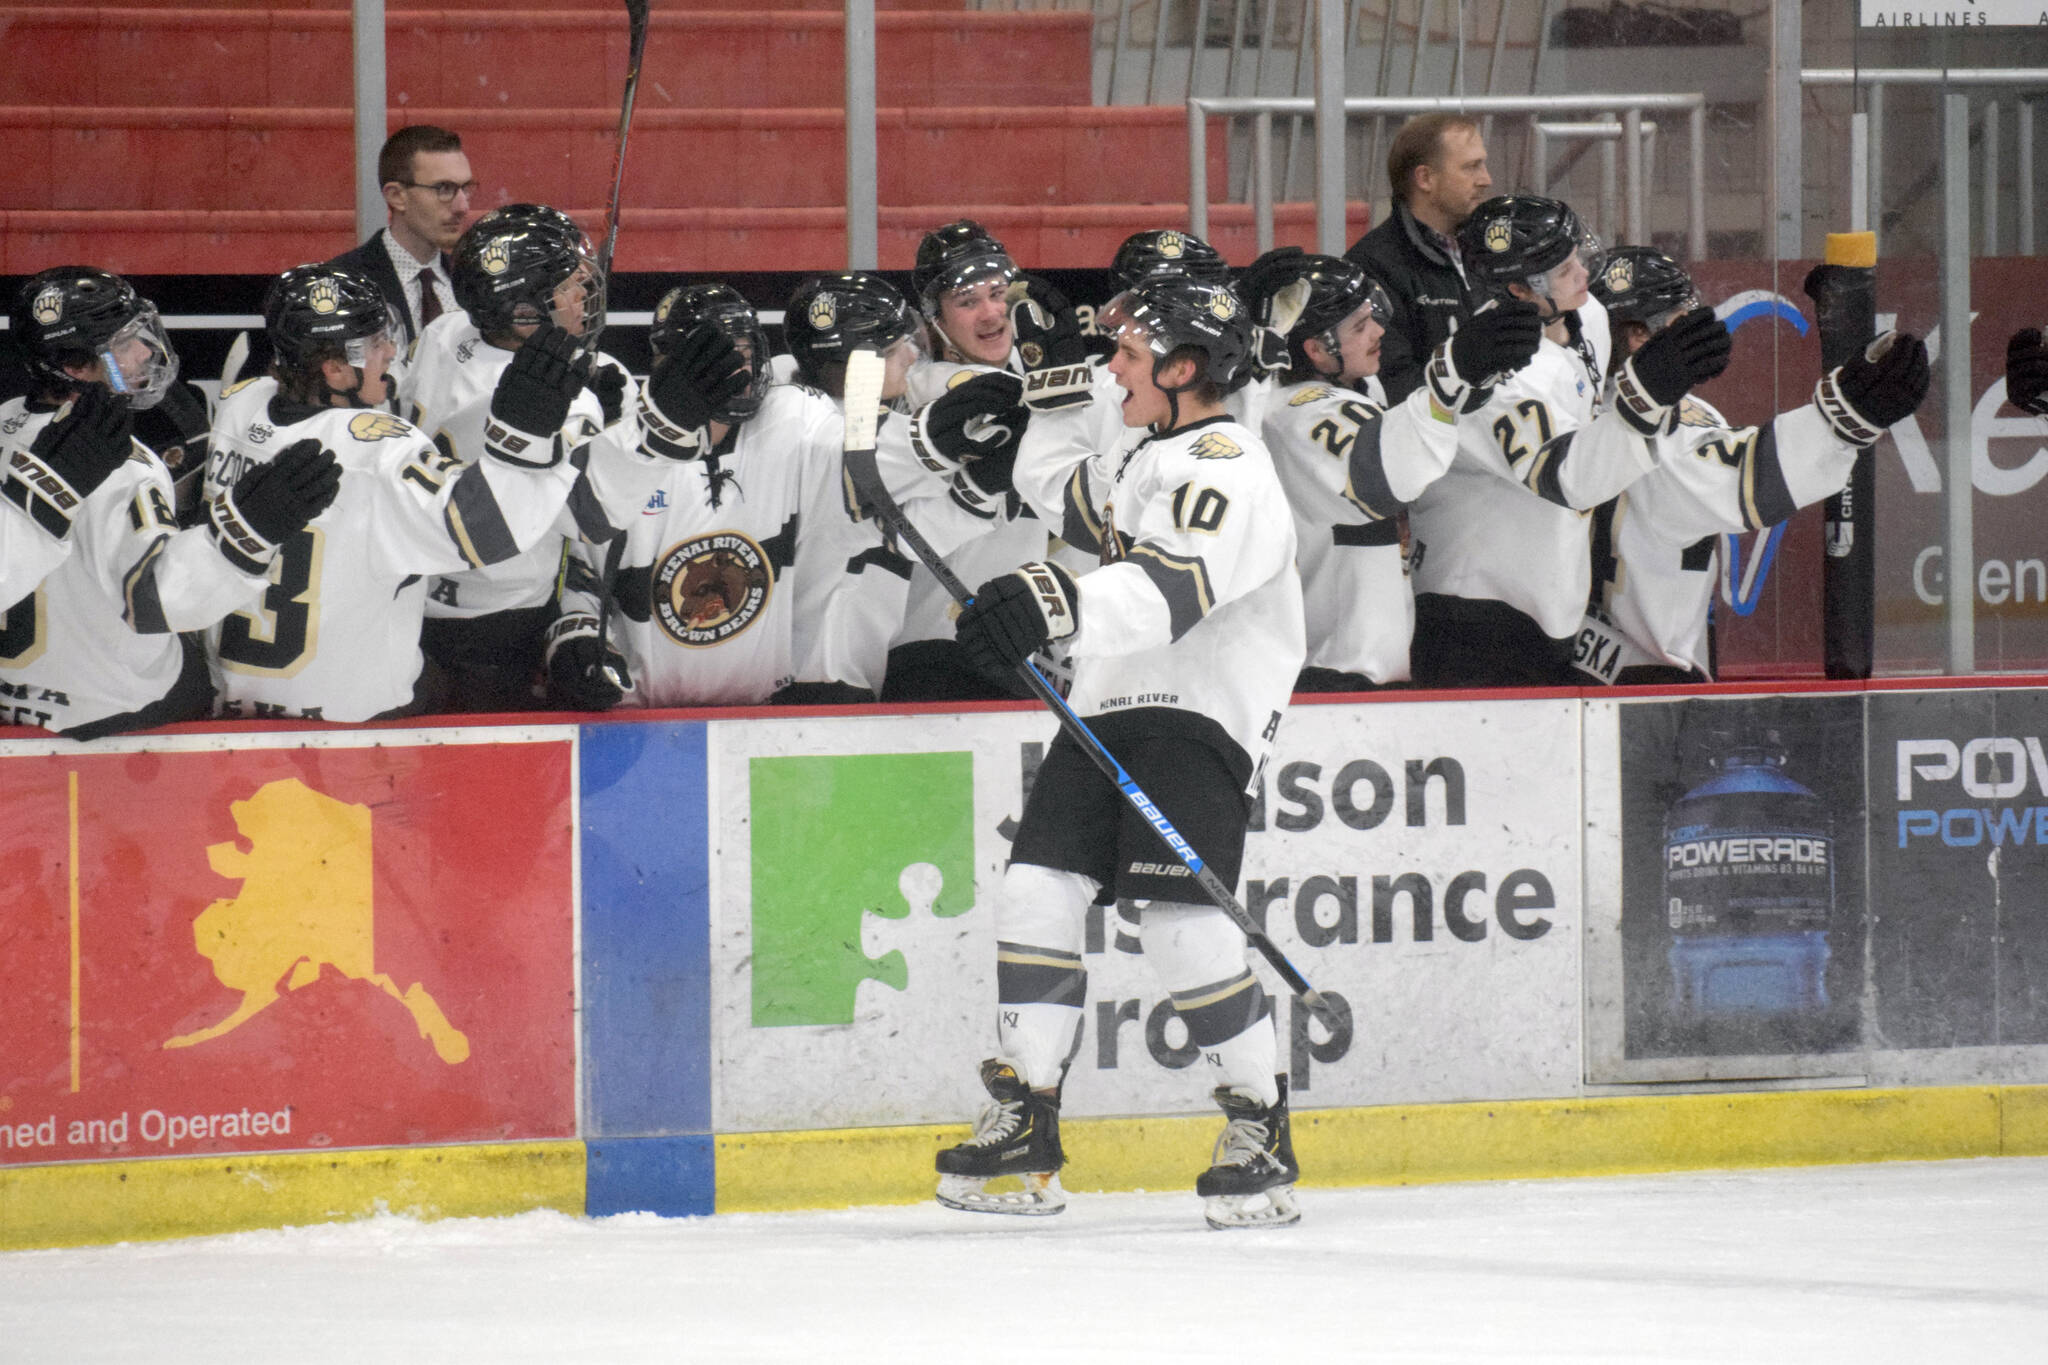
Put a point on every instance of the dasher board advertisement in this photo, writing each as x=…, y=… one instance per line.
x=1725, y=931
x=246, y=943
x=1420, y=862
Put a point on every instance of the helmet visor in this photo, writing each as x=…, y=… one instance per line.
x=362, y=351
x=579, y=300
x=139, y=359
x=966, y=274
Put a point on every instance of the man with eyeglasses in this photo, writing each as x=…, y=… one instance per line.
x=429, y=189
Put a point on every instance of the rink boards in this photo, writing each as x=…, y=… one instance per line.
x=717, y=961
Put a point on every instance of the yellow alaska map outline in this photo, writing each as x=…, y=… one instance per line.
x=306, y=903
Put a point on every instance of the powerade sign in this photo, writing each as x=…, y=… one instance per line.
x=1973, y=792
x=1958, y=798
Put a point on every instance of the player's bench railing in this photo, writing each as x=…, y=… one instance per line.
x=1630, y=109
x=1866, y=139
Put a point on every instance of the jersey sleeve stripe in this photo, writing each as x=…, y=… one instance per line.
x=1375, y=534
x=1184, y=583
x=475, y=522
x=144, y=611
x=1365, y=484
x=1766, y=500
x=1080, y=524
x=588, y=510
x=1544, y=476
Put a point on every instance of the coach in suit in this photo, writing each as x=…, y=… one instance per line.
x=429, y=189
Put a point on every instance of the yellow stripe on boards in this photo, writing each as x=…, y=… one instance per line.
x=76, y=1203
x=1429, y=1143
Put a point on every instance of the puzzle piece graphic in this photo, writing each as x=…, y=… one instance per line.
x=845, y=850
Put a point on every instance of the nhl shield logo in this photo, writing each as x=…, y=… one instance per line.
x=323, y=297
x=823, y=313
x=49, y=305
x=1171, y=245
x=494, y=258
x=1620, y=275
x=1500, y=235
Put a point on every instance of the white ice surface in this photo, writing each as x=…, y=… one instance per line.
x=1920, y=1263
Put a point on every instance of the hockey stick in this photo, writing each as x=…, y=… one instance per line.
x=636, y=24
x=864, y=370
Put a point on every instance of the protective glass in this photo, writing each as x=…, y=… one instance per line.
x=139, y=359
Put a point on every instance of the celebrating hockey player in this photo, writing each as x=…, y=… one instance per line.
x=1500, y=577
x=962, y=279
x=1185, y=644
x=1654, y=547
x=337, y=635
x=746, y=567
x=1348, y=466
x=94, y=647
x=518, y=269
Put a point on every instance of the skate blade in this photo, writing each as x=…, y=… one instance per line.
x=1274, y=1208
x=1039, y=1196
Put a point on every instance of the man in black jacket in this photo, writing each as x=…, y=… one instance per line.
x=429, y=189
x=1437, y=168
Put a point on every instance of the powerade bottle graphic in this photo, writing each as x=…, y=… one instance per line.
x=1749, y=887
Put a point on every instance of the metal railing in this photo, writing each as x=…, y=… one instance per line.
x=1630, y=108
x=1866, y=137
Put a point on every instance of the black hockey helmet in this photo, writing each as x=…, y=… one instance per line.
x=1177, y=310
x=956, y=256
x=831, y=316
x=1336, y=289
x=509, y=263
x=75, y=315
x=1641, y=284
x=1161, y=251
x=316, y=313
x=686, y=308
x=1521, y=238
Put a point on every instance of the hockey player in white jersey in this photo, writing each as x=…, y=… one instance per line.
x=722, y=588
x=97, y=646
x=1656, y=546
x=1500, y=576
x=1350, y=467
x=1185, y=644
x=336, y=635
x=963, y=280
x=515, y=268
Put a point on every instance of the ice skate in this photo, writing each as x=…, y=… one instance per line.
x=1251, y=1184
x=1016, y=1138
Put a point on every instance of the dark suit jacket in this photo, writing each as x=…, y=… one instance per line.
x=1428, y=293
x=373, y=260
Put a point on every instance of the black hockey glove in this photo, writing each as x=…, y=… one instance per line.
x=608, y=382
x=580, y=678
x=1865, y=397
x=273, y=502
x=980, y=418
x=1487, y=348
x=820, y=694
x=1016, y=614
x=532, y=400
x=69, y=458
x=1270, y=354
x=1689, y=352
x=2026, y=372
x=1051, y=344
x=690, y=387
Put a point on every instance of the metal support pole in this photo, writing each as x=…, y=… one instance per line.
x=1958, y=545
x=371, y=214
x=863, y=219
x=1785, y=230
x=1991, y=178
x=1539, y=152
x=1859, y=172
x=1198, y=170
x=1696, y=187
x=1633, y=230
x=1610, y=206
x=2023, y=186
x=1262, y=180
x=1329, y=128
x=1873, y=104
